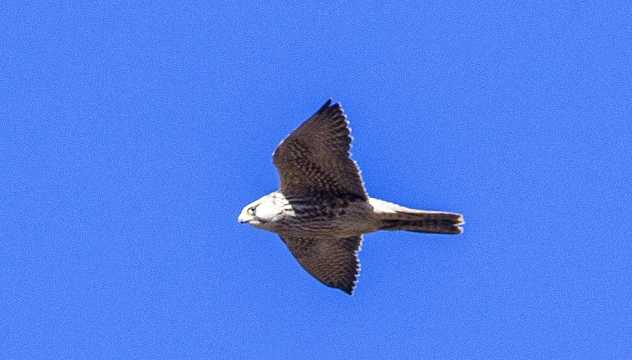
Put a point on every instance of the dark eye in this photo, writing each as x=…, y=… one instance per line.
x=251, y=210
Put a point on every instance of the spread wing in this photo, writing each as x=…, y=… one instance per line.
x=315, y=159
x=332, y=261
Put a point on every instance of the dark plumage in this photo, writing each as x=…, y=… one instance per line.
x=322, y=210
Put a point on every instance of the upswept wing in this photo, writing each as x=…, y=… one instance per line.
x=332, y=261
x=314, y=159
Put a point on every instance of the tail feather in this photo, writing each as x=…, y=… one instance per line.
x=395, y=217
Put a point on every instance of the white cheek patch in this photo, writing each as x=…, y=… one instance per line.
x=265, y=213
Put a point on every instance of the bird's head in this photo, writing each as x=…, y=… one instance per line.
x=263, y=212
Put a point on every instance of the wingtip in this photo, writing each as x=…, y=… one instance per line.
x=324, y=108
x=328, y=108
x=348, y=291
x=330, y=103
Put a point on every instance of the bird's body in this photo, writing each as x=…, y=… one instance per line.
x=322, y=216
x=322, y=209
x=317, y=215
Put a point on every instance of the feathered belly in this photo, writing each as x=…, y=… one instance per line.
x=328, y=219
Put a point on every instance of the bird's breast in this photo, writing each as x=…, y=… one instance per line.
x=330, y=216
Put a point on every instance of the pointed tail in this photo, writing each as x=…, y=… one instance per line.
x=395, y=217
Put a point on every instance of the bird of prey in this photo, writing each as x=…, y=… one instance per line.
x=322, y=210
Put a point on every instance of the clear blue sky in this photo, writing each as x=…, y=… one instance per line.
x=131, y=136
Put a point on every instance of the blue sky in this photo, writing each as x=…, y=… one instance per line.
x=131, y=136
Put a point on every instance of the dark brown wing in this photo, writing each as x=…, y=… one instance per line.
x=315, y=157
x=334, y=262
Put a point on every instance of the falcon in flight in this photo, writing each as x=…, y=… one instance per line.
x=322, y=208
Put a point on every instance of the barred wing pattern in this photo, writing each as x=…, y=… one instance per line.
x=314, y=159
x=322, y=208
x=332, y=261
